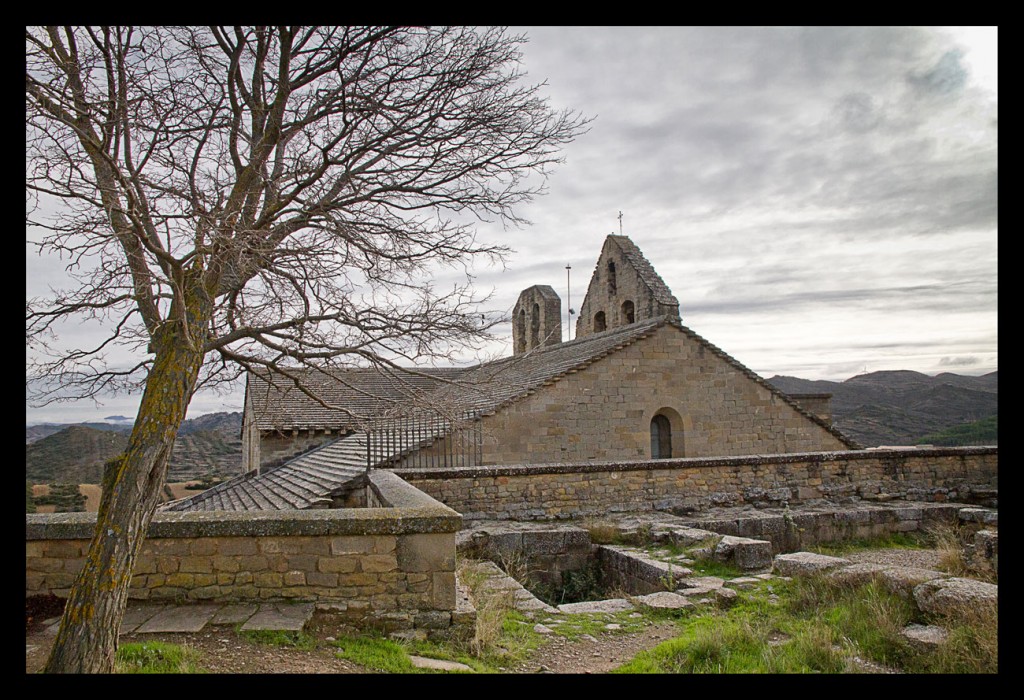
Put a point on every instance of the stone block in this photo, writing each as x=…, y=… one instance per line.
x=180, y=580
x=203, y=546
x=224, y=563
x=268, y=579
x=444, y=590
x=317, y=578
x=65, y=549
x=805, y=563
x=301, y=562
x=237, y=546
x=145, y=564
x=294, y=578
x=951, y=596
x=352, y=544
x=378, y=563
x=925, y=638
x=195, y=565
x=204, y=579
x=427, y=552
x=338, y=565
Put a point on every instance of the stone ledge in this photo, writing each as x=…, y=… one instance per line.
x=410, y=511
x=690, y=462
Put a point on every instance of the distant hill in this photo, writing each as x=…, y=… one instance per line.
x=902, y=407
x=207, y=446
x=37, y=432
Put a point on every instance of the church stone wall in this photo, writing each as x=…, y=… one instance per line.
x=596, y=489
x=604, y=411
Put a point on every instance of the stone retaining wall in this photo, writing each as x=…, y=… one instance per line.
x=390, y=567
x=590, y=489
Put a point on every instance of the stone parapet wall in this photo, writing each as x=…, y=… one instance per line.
x=390, y=567
x=592, y=489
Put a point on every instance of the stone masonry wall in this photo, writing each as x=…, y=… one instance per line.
x=389, y=567
x=604, y=411
x=564, y=491
x=277, y=448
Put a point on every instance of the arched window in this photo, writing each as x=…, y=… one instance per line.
x=599, y=322
x=661, y=437
x=535, y=327
x=521, y=332
x=611, y=278
x=627, y=312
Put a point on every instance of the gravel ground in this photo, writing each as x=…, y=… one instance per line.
x=917, y=558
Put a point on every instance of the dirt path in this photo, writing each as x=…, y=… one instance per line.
x=223, y=651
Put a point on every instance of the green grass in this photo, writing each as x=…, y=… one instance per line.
x=710, y=567
x=376, y=654
x=812, y=625
x=895, y=540
x=280, y=638
x=156, y=657
x=387, y=656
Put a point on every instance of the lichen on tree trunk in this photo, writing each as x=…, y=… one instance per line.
x=132, y=484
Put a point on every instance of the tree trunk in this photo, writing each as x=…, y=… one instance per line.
x=132, y=485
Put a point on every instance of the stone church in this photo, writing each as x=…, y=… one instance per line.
x=634, y=384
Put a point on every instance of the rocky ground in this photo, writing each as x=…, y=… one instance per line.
x=223, y=651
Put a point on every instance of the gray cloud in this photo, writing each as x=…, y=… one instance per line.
x=958, y=361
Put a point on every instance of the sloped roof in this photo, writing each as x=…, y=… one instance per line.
x=279, y=403
x=645, y=270
x=480, y=390
x=487, y=387
x=305, y=482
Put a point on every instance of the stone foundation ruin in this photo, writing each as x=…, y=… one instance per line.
x=391, y=565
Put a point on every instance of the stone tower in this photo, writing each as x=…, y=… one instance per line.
x=624, y=289
x=536, y=319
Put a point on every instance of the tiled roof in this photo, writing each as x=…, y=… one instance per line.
x=645, y=270
x=479, y=389
x=487, y=387
x=279, y=404
x=308, y=481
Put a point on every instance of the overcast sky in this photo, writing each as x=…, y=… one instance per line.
x=821, y=201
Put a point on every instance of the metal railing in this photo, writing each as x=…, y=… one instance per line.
x=425, y=439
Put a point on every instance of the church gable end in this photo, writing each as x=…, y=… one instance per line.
x=624, y=289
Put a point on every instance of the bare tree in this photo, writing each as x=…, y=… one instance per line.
x=238, y=197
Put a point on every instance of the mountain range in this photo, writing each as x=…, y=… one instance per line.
x=206, y=446
x=901, y=407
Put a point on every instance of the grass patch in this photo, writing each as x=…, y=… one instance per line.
x=895, y=540
x=972, y=645
x=812, y=625
x=280, y=638
x=503, y=636
x=710, y=567
x=156, y=657
x=376, y=654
